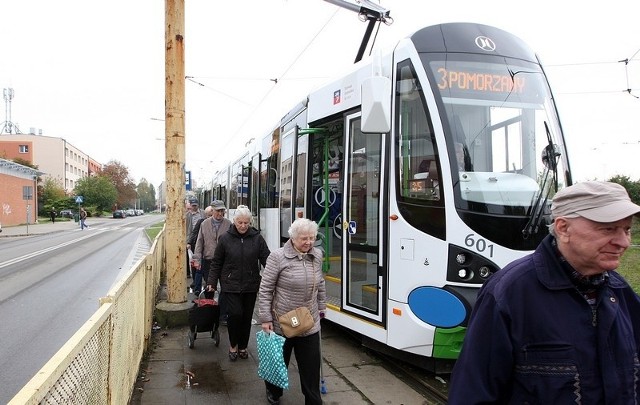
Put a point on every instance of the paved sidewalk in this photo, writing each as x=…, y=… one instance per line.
x=40, y=228
x=174, y=374
x=171, y=373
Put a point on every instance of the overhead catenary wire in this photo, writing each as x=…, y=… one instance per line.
x=275, y=81
x=626, y=70
x=626, y=62
x=192, y=79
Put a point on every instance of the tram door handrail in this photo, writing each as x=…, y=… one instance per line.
x=324, y=218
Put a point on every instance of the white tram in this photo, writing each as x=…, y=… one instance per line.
x=428, y=168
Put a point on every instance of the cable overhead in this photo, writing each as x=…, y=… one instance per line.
x=626, y=62
x=191, y=79
x=626, y=72
x=276, y=79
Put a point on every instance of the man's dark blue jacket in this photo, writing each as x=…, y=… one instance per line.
x=534, y=339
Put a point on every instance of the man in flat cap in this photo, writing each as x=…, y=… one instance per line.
x=559, y=326
x=207, y=240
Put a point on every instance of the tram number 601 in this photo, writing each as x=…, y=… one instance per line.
x=479, y=244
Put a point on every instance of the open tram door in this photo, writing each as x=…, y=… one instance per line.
x=363, y=262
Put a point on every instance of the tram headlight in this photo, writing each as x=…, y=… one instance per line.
x=466, y=266
x=484, y=271
x=465, y=274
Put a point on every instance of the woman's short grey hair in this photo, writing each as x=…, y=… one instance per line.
x=242, y=211
x=303, y=226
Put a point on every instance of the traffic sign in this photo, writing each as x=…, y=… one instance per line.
x=79, y=199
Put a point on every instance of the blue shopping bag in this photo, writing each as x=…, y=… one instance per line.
x=271, y=365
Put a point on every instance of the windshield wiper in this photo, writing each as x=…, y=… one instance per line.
x=550, y=156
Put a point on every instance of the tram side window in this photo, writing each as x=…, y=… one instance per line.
x=287, y=167
x=243, y=186
x=268, y=182
x=416, y=152
x=301, y=173
x=219, y=193
x=237, y=188
x=269, y=171
x=223, y=193
x=233, y=189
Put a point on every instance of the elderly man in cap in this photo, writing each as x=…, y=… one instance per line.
x=193, y=215
x=210, y=230
x=559, y=326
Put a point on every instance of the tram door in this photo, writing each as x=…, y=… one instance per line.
x=361, y=234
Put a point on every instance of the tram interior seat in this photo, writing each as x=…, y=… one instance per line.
x=427, y=170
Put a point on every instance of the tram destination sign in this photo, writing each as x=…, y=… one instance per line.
x=484, y=83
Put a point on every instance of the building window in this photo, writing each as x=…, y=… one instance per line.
x=23, y=148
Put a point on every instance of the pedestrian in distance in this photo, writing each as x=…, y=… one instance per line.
x=560, y=325
x=52, y=215
x=205, y=246
x=293, y=278
x=236, y=265
x=83, y=217
x=192, y=216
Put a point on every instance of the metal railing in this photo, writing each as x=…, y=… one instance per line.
x=99, y=363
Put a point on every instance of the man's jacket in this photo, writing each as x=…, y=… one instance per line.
x=534, y=339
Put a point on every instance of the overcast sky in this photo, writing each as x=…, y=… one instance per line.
x=93, y=72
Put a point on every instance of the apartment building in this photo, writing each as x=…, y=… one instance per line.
x=55, y=157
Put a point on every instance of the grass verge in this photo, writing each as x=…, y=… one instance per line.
x=153, y=230
x=630, y=263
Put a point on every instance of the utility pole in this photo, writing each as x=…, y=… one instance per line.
x=175, y=244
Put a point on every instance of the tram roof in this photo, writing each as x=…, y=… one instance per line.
x=463, y=38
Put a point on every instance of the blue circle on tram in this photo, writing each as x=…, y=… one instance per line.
x=437, y=307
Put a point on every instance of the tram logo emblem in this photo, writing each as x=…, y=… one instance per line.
x=485, y=43
x=336, y=97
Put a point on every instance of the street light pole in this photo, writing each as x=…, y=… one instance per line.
x=175, y=151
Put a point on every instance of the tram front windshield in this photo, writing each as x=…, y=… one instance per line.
x=501, y=123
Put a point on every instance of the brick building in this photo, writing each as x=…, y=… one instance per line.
x=18, y=199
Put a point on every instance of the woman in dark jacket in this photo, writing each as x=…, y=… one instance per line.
x=236, y=264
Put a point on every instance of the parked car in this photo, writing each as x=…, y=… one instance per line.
x=66, y=213
x=119, y=214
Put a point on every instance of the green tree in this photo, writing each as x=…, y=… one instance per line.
x=146, y=195
x=97, y=191
x=119, y=176
x=633, y=187
x=50, y=195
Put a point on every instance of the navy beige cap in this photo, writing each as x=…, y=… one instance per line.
x=598, y=201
